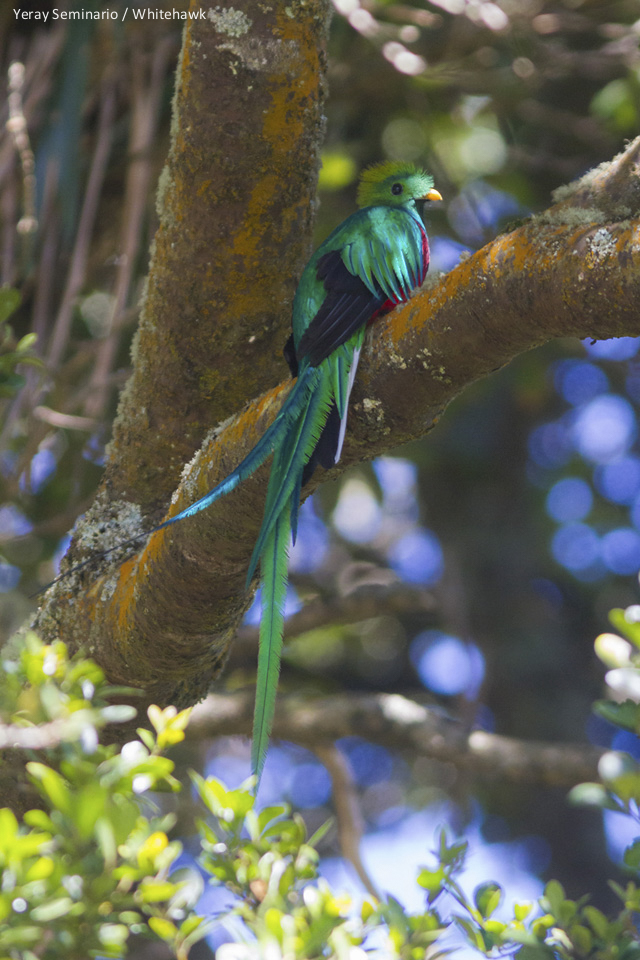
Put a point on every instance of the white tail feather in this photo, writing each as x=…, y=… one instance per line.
x=343, y=422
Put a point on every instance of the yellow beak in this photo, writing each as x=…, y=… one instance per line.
x=433, y=195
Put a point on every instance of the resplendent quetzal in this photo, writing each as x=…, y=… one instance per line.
x=369, y=264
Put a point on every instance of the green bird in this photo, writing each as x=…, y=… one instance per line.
x=373, y=261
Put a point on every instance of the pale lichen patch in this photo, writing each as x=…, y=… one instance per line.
x=441, y=375
x=395, y=360
x=432, y=279
x=374, y=410
x=568, y=190
x=571, y=216
x=94, y=532
x=601, y=245
x=229, y=21
x=424, y=356
x=369, y=405
x=164, y=182
x=262, y=55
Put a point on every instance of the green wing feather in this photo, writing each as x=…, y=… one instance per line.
x=385, y=251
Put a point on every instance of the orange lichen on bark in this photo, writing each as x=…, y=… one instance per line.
x=236, y=210
x=166, y=622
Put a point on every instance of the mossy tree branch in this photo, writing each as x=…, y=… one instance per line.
x=164, y=620
x=236, y=201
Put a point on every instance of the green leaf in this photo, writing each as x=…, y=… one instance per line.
x=153, y=891
x=26, y=342
x=118, y=713
x=593, y=795
x=113, y=934
x=39, y=819
x=320, y=833
x=522, y=910
x=487, y=898
x=9, y=302
x=189, y=925
x=433, y=882
x=52, y=910
x=106, y=838
x=582, y=938
x=147, y=738
x=554, y=896
x=163, y=928
x=632, y=856
x=89, y=804
x=597, y=920
x=269, y=814
x=40, y=870
x=627, y=622
x=52, y=784
x=8, y=827
x=625, y=715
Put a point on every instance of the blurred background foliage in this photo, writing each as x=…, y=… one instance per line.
x=519, y=516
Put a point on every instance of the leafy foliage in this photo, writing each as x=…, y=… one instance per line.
x=95, y=864
x=619, y=772
x=12, y=351
x=88, y=868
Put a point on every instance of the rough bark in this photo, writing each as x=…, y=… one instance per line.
x=236, y=202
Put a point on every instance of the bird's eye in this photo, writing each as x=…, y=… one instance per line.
x=397, y=189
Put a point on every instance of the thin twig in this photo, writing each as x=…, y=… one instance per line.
x=144, y=120
x=43, y=736
x=348, y=816
x=86, y=223
x=64, y=420
x=17, y=127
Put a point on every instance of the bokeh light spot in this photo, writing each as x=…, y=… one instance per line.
x=605, y=428
x=575, y=546
x=579, y=381
x=621, y=551
x=446, y=664
x=13, y=522
x=550, y=445
x=357, y=516
x=9, y=577
x=310, y=549
x=619, y=480
x=43, y=464
x=417, y=557
x=569, y=499
x=404, y=139
x=445, y=254
x=369, y=762
x=310, y=786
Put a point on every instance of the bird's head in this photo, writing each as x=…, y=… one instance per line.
x=394, y=184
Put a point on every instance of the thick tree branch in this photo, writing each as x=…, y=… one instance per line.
x=399, y=723
x=164, y=620
x=236, y=202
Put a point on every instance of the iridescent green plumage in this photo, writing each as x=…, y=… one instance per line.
x=372, y=261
